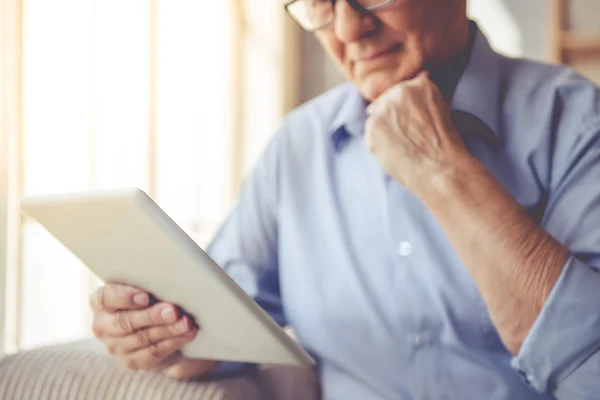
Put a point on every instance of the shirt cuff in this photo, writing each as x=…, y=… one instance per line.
x=567, y=331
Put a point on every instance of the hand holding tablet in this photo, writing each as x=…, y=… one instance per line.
x=144, y=334
x=123, y=237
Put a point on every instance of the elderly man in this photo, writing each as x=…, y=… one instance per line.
x=431, y=229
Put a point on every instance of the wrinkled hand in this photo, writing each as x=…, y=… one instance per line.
x=144, y=336
x=410, y=131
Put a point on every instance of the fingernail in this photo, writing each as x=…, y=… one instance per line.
x=167, y=314
x=140, y=299
x=183, y=326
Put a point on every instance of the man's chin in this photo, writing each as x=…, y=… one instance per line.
x=376, y=84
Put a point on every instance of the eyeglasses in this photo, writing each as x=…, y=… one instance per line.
x=316, y=14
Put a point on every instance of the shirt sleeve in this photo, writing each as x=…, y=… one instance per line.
x=245, y=246
x=561, y=354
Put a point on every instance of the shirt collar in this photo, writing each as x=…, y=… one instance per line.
x=474, y=96
x=350, y=120
x=477, y=93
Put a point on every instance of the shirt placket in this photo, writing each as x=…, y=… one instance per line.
x=415, y=328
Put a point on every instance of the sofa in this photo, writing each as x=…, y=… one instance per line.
x=83, y=370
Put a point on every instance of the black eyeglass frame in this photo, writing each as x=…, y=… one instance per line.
x=353, y=3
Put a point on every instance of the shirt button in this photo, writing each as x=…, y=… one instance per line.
x=405, y=249
x=417, y=340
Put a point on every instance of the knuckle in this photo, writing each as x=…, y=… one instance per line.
x=155, y=352
x=143, y=338
x=124, y=322
x=172, y=331
x=415, y=89
x=98, y=326
x=405, y=94
x=400, y=90
x=169, y=332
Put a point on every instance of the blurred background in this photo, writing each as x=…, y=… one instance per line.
x=177, y=97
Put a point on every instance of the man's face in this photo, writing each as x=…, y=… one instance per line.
x=378, y=49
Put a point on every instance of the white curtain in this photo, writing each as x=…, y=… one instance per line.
x=500, y=27
x=177, y=97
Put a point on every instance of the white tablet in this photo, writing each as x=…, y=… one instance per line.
x=123, y=236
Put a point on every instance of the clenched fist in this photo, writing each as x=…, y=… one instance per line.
x=410, y=131
x=145, y=336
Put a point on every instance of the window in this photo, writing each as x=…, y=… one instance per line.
x=497, y=22
x=173, y=96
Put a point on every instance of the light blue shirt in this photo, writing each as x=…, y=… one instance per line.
x=324, y=241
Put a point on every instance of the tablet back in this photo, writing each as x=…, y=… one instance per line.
x=122, y=236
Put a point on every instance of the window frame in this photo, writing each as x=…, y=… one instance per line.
x=11, y=95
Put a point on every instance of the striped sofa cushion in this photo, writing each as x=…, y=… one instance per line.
x=83, y=371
